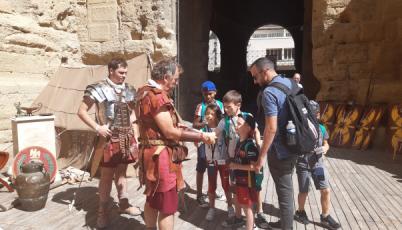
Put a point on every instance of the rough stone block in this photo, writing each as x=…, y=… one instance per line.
x=374, y=53
x=333, y=90
x=104, y=13
x=6, y=136
x=399, y=28
x=33, y=41
x=6, y=7
x=387, y=91
x=388, y=59
x=32, y=63
x=320, y=37
x=392, y=10
x=138, y=46
x=345, y=32
x=90, y=2
x=99, y=32
x=390, y=30
x=331, y=73
x=358, y=71
x=323, y=54
x=112, y=47
x=128, y=11
x=93, y=48
x=371, y=31
x=5, y=123
x=351, y=53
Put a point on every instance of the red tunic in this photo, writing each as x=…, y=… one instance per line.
x=159, y=173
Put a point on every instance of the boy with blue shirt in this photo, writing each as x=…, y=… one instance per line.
x=312, y=165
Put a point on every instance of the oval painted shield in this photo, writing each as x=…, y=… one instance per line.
x=35, y=153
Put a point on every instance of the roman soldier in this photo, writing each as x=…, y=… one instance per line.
x=161, y=151
x=116, y=146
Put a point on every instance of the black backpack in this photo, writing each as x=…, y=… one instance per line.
x=305, y=121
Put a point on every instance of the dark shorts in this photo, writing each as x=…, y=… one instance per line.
x=311, y=167
x=165, y=202
x=246, y=196
x=201, y=160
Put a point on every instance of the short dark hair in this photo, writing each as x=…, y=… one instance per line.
x=165, y=67
x=216, y=109
x=263, y=63
x=232, y=96
x=115, y=63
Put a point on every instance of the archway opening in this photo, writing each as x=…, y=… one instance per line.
x=274, y=42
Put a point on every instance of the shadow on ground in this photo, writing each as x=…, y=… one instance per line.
x=87, y=201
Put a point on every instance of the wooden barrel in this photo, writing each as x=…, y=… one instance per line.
x=367, y=126
x=347, y=118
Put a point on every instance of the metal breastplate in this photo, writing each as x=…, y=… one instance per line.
x=110, y=102
x=121, y=118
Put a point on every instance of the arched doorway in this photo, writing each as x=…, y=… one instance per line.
x=275, y=42
x=234, y=22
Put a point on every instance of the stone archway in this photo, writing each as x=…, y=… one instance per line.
x=234, y=22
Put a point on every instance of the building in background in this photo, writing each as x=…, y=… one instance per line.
x=269, y=40
x=275, y=42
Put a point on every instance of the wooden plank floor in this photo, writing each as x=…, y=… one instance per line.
x=366, y=193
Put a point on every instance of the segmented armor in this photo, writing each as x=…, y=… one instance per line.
x=114, y=109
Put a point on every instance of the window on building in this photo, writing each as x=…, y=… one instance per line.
x=274, y=53
x=214, y=52
x=289, y=54
x=274, y=42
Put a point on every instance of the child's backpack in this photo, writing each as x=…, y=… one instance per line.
x=305, y=121
x=256, y=181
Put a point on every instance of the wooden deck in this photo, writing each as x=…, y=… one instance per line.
x=366, y=193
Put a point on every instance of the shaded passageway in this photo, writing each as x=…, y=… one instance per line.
x=234, y=22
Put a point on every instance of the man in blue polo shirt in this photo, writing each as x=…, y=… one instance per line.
x=280, y=161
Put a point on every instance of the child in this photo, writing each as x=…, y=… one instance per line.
x=208, y=90
x=227, y=127
x=248, y=183
x=312, y=165
x=216, y=159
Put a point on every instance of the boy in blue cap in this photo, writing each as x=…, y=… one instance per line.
x=208, y=90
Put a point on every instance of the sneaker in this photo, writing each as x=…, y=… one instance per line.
x=233, y=222
x=261, y=221
x=231, y=212
x=329, y=222
x=275, y=225
x=301, y=217
x=244, y=227
x=201, y=200
x=210, y=214
x=220, y=196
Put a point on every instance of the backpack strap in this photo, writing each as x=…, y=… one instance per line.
x=203, y=108
x=220, y=104
x=295, y=89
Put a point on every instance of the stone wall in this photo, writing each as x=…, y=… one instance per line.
x=357, y=46
x=40, y=35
